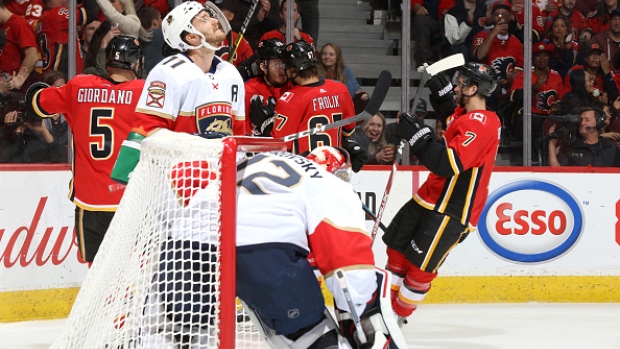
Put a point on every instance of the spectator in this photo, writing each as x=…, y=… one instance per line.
x=87, y=35
x=57, y=124
x=589, y=148
x=24, y=141
x=95, y=62
x=587, y=7
x=280, y=33
x=19, y=55
x=499, y=49
x=371, y=136
x=576, y=18
x=426, y=28
x=538, y=21
x=150, y=19
x=581, y=94
x=600, y=20
x=123, y=12
x=53, y=34
x=244, y=50
x=440, y=129
x=565, y=48
x=596, y=66
x=462, y=23
x=609, y=39
x=264, y=19
x=332, y=67
x=611, y=129
x=30, y=10
x=309, y=11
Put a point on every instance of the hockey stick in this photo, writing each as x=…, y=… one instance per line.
x=378, y=95
x=371, y=214
x=244, y=26
x=347, y=295
x=386, y=193
x=432, y=70
x=449, y=62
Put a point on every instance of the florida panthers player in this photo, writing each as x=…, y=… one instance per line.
x=193, y=91
x=313, y=210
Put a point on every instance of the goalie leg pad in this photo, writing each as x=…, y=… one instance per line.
x=378, y=318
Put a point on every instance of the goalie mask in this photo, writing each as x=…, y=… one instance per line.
x=334, y=159
x=482, y=75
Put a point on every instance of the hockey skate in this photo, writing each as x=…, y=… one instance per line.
x=378, y=321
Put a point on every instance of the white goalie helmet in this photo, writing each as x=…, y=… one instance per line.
x=178, y=20
x=334, y=159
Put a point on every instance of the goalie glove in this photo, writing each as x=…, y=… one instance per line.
x=415, y=132
x=359, y=155
x=442, y=95
x=262, y=116
x=128, y=157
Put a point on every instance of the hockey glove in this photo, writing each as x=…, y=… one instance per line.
x=442, y=95
x=413, y=130
x=359, y=155
x=263, y=115
x=31, y=94
x=249, y=68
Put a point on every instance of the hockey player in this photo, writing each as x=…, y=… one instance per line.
x=99, y=112
x=270, y=86
x=447, y=206
x=314, y=211
x=192, y=91
x=311, y=102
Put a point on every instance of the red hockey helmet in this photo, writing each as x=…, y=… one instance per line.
x=334, y=159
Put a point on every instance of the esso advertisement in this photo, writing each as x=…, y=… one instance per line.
x=530, y=221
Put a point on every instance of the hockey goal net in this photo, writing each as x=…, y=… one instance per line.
x=164, y=276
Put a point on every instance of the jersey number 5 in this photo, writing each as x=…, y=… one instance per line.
x=100, y=128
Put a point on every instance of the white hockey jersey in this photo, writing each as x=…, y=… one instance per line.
x=179, y=96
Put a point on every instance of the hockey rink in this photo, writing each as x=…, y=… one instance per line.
x=455, y=326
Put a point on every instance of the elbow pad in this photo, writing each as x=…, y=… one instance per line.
x=128, y=157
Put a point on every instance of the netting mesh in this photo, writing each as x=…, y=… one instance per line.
x=155, y=282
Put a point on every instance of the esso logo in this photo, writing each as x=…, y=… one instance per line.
x=530, y=221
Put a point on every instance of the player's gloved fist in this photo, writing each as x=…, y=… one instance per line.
x=263, y=115
x=413, y=130
x=442, y=94
x=359, y=155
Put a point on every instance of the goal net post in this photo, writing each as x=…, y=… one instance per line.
x=164, y=276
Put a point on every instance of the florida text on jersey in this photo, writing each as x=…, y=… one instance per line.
x=180, y=97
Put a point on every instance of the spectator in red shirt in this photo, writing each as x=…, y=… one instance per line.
x=609, y=39
x=577, y=19
x=53, y=35
x=20, y=54
x=281, y=32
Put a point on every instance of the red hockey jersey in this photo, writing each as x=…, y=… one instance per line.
x=257, y=88
x=309, y=106
x=19, y=36
x=53, y=39
x=543, y=98
x=504, y=55
x=99, y=112
x=473, y=138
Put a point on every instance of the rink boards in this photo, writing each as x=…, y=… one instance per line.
x=543, y=237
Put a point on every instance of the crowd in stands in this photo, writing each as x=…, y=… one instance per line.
x=574, y=57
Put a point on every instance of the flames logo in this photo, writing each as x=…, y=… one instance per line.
x=545, y=99
x=504, y=65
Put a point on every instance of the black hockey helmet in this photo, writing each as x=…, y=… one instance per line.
x=482, y=75
x=125, y=52
x=299, y=55
x=269, y=49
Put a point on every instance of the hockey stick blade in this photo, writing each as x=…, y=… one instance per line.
x=449, y=62
x=378, y=95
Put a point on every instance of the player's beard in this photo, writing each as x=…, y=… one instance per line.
x=215, y=38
